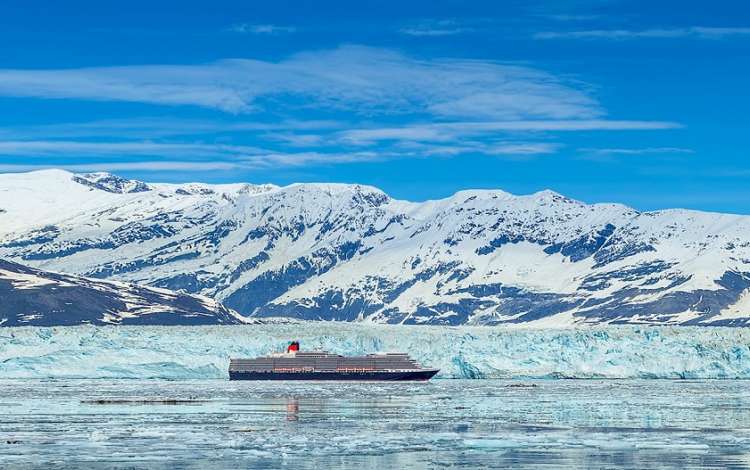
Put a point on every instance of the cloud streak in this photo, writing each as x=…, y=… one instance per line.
x=51, y=148
x=361, y=80
x=436, y=28
x=246, y=28
x=604, y=152
x=433, y=31
x=147, y=166
x=454, y=130
x=199, y=157
x=152, y=127
x=273, y=160
x=701, y=32
x=387, y=105
x=267, y=160
x=520, y=149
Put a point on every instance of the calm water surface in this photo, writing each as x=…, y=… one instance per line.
x=444, y=423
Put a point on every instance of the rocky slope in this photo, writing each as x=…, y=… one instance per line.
x=31, y=297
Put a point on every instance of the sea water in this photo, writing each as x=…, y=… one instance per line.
x=147, y=397
x=116, y=423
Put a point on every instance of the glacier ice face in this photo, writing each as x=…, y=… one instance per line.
x=181, y=352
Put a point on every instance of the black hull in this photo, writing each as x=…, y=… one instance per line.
x=385, y=376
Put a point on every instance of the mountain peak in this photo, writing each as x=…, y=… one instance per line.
x=349, y=252
x=110, y=183
x=553, y=196
x=359, y=193
x=471, y=194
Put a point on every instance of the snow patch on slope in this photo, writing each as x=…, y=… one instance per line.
x=350, y=252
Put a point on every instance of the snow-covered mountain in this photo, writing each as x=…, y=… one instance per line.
x=350, y=252
x=31, y=297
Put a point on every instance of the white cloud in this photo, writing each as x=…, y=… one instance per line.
x=564, y=17
x=467, y=107
x=656, y=33
x=434, y=27
x=202, y=157
x=246, y=28
x=719, y=32
x=454, y=130
x=359, y=79
x=260, y=161
x=433, y=31
x=176, y=156
x=127, y=166
x=51, y=148
x=495, y=148
x=635, y=151
x=264, y=160
x=152, y=127
x=521, y=148
x=300, y=159
x=449, y=149
x=296, y=140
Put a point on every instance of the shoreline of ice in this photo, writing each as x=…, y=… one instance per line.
x=190, y=352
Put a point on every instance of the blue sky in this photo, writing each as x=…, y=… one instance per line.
x=644, y=103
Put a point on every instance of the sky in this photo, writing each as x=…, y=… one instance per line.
x=639, y=102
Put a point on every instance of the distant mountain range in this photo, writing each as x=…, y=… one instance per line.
x=350, y=252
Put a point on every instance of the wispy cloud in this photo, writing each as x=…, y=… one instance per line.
x=362, y=80
x=246, y=28
x=436, y=28
x=301, y=159
x=146, y=166
x=199, y=157
x=433, y=31
x=454, y=130
x=146, y=127
x=387, y=105
x=701, y=32
x=259, y=161
x=564, y=17
x=51, y=148
x=297, y=144
x=523, y=149
x=635, y=151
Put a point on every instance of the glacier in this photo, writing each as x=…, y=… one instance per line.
x=203, y=352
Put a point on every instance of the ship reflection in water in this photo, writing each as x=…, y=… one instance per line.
x=443, y=423
x=292, y=409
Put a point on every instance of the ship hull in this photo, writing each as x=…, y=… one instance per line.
x=369, y=376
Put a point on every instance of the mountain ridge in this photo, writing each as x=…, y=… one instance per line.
x=32, y=297
x=351, y=252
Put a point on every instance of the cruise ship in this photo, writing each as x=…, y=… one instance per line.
x=320, y=365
